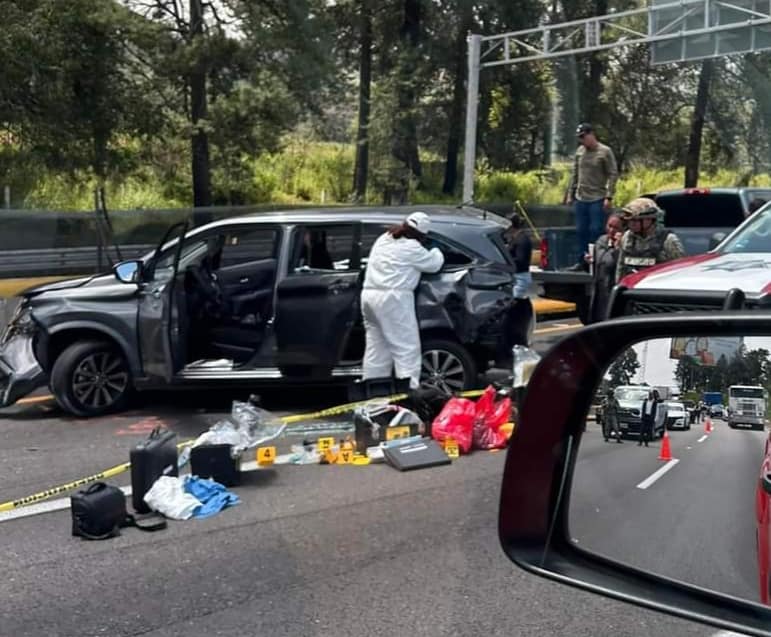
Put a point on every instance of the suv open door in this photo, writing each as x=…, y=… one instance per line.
x=161, y=337
x=318, y=307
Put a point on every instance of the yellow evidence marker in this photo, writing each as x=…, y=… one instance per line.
x=393, y=433
x=451, y=448
x=266, y=456
x=322, y=444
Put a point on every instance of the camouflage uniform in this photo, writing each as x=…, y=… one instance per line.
x=638, y=252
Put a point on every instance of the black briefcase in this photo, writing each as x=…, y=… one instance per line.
x=215, y=462
x=151, y=459
x=99, y=512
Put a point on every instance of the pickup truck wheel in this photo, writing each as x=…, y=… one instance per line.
x=91, y=378
x=447, y=365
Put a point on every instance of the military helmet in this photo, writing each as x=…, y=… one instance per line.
x=641, y=208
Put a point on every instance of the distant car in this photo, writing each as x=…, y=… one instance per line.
x=677, y=416
x=716, y=411
x=263, y=298
x=630, y=400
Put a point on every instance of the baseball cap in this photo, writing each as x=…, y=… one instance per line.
x=584, y=128
x=419, y=221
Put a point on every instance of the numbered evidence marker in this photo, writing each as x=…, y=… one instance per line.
x=451, y=448
x=345, y=456
x=392, y=433
x=324, y=444
x=266, y=456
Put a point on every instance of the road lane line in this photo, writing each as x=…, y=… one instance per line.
x=703, y=438
x=657, y=474
x=50, y=506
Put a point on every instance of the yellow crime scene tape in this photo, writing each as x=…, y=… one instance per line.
x=118, y=469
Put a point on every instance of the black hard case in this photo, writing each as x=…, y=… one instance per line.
x=217, y=463
x=151, y=459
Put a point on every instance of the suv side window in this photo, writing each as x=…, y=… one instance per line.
x=453, y=255
x=325, y=247
x=247, y=245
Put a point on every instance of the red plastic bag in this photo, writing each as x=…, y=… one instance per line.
x=489, y=416
x=456, y=421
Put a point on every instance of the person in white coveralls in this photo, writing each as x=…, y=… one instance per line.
x=396, y=261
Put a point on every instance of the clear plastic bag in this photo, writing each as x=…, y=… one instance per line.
x=525, y=361
x=256, y=423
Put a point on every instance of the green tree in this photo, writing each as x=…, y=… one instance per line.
x=623, y=369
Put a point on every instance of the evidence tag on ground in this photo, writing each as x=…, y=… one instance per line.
x=451, y=448
x=393, y=433
x=322, y=444
x=345, y=456
x=266, y=456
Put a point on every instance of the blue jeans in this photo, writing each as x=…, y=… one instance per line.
x=590, y=222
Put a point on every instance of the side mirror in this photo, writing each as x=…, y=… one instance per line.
x=618, y=519
x=716, y=239
x=128, y=271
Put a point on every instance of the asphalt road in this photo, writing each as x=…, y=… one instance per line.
x=311, y=550
x=695, y=523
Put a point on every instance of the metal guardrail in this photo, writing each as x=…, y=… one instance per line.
x=60, y=261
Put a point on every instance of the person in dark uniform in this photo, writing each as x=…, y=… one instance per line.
x=648, y=418
x=610, y=418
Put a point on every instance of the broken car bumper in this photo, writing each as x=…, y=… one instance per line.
x=20, y=372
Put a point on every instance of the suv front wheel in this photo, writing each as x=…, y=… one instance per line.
x=91, y=378
x=447, y=365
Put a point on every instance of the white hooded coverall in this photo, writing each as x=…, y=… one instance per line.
x=388, y=306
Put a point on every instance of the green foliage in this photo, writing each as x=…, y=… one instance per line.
x=623, y=369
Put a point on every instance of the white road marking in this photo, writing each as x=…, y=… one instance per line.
x=60, y=504
x=657, y=474
x=43, y=507
x=703, y=438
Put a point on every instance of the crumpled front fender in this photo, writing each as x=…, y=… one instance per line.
x=20, y=371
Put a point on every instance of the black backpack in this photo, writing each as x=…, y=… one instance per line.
x=99, y=512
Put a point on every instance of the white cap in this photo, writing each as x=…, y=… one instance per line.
x=420, y=221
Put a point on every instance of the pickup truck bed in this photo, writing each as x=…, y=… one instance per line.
x=697, y=215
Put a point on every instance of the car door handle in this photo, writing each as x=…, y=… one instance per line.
x=244, y=279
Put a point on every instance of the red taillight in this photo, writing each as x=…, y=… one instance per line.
x=544, y=253
x=696, y=191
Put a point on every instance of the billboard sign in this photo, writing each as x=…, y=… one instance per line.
x=705, y=350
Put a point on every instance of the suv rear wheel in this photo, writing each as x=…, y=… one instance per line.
x=447, y=365
x=91, y=378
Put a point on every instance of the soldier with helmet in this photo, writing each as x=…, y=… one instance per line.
x=645, y=243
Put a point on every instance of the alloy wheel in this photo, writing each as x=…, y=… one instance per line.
x=100, y=380
x=443, y=369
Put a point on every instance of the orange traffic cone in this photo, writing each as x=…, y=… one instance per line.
x=666, y=452
x=708, y=426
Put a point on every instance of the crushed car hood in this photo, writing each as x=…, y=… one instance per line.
x=709, y=273
x=98, y=285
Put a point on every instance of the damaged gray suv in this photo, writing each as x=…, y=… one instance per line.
x=262, y=298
